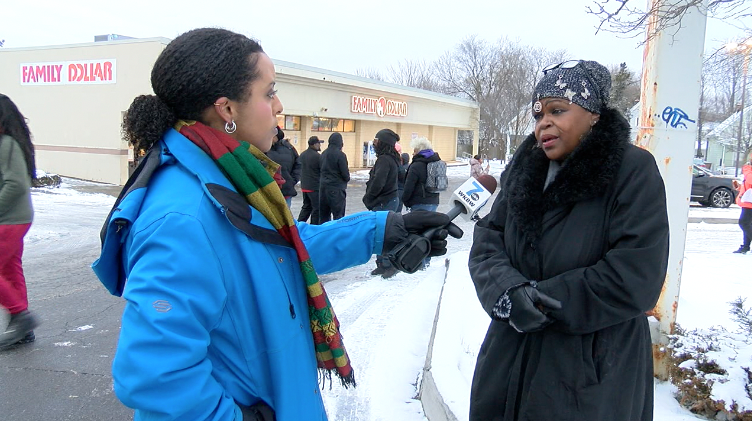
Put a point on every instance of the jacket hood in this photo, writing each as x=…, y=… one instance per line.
x=587, y=173
x=421, y=158
x=335, y=140
x=474, y=161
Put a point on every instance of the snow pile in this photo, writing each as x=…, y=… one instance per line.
x=460, y=331
x=713, y=372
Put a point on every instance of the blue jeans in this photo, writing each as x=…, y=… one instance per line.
x=427, y=207
x=391, y=205
x=424, y=206
x=288, y=200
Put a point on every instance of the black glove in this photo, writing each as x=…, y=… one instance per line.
x=529, y=307
x=257, y=412
x=410, y=238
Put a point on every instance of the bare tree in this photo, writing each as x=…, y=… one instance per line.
x=630, y=18
x=417, y=74
x=500, y=77
x=370, y=74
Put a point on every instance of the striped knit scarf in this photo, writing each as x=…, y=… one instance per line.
x=252, y=173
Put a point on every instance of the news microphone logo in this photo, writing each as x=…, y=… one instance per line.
x=473, y=194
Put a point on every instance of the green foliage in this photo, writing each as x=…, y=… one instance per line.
x=742, y=315
x=625, y=89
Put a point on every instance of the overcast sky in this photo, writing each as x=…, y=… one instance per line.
x=341, y=35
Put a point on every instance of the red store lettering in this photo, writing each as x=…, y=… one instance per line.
x=42, y=74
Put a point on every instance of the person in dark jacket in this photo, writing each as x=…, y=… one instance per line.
x=567, y=262
x=381, y=187
x=284, y=154
x=17, y=170
x=415, y=196
x=334, y=177
x=401, y=176
x=310, y=178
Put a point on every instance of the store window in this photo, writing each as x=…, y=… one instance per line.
x=323, y=124
x=288, y=122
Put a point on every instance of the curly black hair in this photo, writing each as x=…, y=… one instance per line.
x=13, y=124
x=194, y=70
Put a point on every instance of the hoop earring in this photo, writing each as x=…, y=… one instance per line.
x=230, y=129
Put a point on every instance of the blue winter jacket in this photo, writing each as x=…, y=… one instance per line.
x=216, y=310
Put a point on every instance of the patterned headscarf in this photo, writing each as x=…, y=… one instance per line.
x=585, y=83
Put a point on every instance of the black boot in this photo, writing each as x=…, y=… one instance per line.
x=742, y=250
x=378, y=271
x=20, y=327
x=389, y=272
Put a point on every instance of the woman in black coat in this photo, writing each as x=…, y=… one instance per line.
x=381, y=188
x=571, y=256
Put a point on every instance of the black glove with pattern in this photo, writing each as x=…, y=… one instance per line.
x=526, y=308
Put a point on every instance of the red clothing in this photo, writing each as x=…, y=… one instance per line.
x=12, y=282
x=746, y=185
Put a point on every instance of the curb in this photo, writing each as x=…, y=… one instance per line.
x=696, y=219
x=430, y=398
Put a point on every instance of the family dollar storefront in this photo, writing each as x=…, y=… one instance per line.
x=319, y=102
x=75, y=96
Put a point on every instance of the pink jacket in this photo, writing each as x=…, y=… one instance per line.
x=746, y=185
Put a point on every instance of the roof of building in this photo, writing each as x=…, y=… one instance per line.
x=293, y=69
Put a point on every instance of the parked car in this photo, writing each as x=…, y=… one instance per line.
x=712, y=190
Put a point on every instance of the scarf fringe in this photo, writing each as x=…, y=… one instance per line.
x=345, y=381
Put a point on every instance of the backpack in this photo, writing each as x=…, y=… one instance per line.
x=436, y=178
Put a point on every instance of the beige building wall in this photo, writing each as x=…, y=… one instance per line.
x=444, y=140
x=76, y=128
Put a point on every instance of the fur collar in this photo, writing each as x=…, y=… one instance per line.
x=585, y=174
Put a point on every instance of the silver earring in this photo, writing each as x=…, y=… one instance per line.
x=230, y=128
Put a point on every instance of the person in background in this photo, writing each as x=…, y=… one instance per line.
x=401, y=176
x=225, y=316
x=310, y=179
x=334, y=177
x=567, y=262
x=17, y=170
x=381, y=187
x=476, y=167
x=416, y=196
x=284, y=154
x=744, y=200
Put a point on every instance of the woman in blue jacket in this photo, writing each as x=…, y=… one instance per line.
x=225, y=316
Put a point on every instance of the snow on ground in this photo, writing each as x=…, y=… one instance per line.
x=387, y=323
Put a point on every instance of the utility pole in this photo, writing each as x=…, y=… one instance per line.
x=670, y=102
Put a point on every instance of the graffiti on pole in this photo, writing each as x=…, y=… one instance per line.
x=675, y=117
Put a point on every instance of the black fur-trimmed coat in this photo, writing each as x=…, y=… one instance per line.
x=597, y=240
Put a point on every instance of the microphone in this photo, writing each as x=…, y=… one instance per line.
x=466, y=200
x=471, y=196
